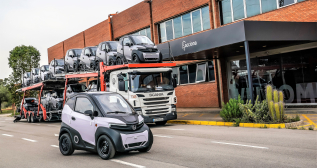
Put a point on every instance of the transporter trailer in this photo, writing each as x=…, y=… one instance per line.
x=41, y=114
x=148, y=87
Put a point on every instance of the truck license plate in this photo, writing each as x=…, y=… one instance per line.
x=158, y=119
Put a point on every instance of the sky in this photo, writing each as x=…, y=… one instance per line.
x=44, y=23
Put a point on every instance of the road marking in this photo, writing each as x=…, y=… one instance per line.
x=185, y=115
x=56, y=134
x=38, y=124
x=310, y=121
x=54, y=146
x=171, y=129
x=260, y=147
x=7, y=135
x=127, y=163
x=8, y=119
x=29, y=140
x=162, y=136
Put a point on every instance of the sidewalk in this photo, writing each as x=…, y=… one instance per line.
x=212, y=114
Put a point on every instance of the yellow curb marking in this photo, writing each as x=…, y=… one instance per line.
x=309, y=120
x=201, y=115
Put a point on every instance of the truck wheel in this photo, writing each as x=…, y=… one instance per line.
x=136, y=59
x=105, y=148
x=161, y=123
x=150, y=143
x=65, y=145
x=33, y=118
x=28, y=118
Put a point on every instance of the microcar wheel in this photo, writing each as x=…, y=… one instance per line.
x=65, y=145
x=112, y=62
x=32, y=118
x=136, y=59
x=118, y=61
x=150, y=142
x=161, y=123
x=105, y=148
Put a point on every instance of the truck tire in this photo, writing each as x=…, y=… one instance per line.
x=33, y=118
x=150, y=143
x=65, y=145
x=105, y=147
x=135, y=58
x=28, y=118
x=161, y=123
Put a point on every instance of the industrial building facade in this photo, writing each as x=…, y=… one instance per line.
x=223, y=48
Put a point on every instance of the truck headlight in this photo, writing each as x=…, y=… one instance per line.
x=173, y=108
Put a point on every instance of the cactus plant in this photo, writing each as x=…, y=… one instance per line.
x=269, y=91
x=281, y=96
x=277, y=111
x=271, y=109
x=275, y=96
x=281, y=104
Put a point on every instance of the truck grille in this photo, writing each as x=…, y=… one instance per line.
x=156, y=111
x=154, y=99
x=160, y=102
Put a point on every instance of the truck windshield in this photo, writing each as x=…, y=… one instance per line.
x=59, y=62
x=28, y=74
x=113, y=103
x=77, y=52
x=113, y=45
x=140, y=40
x=151, y=82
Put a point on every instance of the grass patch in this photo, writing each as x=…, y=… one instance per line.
x=311, y=128
x=6, y=111
x=302, y=128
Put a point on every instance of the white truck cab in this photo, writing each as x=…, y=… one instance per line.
x=149, y=90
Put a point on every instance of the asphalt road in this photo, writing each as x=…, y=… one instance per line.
x=35, y=145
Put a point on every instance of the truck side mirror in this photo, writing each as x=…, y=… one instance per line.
x=121, y=83
x=174, y=82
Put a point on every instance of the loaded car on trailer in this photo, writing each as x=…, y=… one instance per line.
x=29, y=104
x=89, y=60
x=44, y=72
x=71, y=59
x=26, y=79
x=53, y=100
x=107, y=51
x=56, y=67
x=102, y=122
x=136, y=49
x=35, y=75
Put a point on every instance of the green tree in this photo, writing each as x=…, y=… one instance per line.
x=4, y=95
x=22, y=59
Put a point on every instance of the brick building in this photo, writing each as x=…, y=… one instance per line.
x=218, y=43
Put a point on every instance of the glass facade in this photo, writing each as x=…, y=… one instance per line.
x=232, y=10
x=144, y=32
x=195, y=73
x=186, y=24
x=294, y=73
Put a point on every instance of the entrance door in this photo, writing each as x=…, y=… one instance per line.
x=82, y=123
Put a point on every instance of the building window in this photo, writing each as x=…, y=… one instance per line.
x=195, y=73
x=232, y=10
x=144, y=32
x=186, y=24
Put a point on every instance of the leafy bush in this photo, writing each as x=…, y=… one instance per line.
x=231, y=110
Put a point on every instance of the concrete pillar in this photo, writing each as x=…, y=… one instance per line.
x=247, y=56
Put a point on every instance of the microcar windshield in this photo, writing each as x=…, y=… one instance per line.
x=113, y=103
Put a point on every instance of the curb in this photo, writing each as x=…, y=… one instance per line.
x=230, y=124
